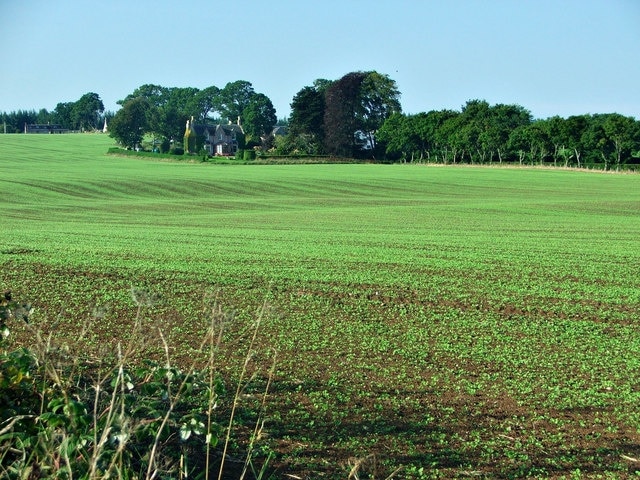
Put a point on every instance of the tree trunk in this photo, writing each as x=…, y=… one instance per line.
x=604, y=159
x=543, y=153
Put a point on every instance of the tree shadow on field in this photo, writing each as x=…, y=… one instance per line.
x=328, y=436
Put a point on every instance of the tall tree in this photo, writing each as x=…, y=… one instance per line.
x=180, y=104
x=395, y=135
x=130, y=123
x=44, y=116
x=156, y=95
x=575, y=128
x=475, y=122
x=613, y=138
x=556, y=129
x=208, y=101
x=411, y=136
x=453, y=138
x=154, y=100
x=234, y=98
x=623, y=133
x=168, y=108
x=503, y=119
x=18, y=119
x=531, y=140
x=340, y=121
x=307, y=114
x=86, y=111
x=433, y=132
x=379, y=98
x=63, y=114
x=259, y=117
x=356, y=106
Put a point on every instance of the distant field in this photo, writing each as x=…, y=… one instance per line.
x=457, y=321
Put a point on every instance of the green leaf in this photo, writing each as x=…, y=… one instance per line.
x=185, y=432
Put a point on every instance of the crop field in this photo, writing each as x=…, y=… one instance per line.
x=439, y=322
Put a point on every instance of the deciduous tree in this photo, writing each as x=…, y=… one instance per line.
x=503, y=120
x=85, y=113
x=259, y=117
x=614, y=136
x=234, y=98
x=394, y=134
x=62, y=114
x=378, y=99
x=208, y=101
x=307, y=113
x=130, y=123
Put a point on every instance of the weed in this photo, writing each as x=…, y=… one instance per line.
x=65, y=415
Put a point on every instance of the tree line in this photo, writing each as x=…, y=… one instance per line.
x=87, y=113
x=483, y=133
x=159, y=111
x=335, y=117
x=359, y=116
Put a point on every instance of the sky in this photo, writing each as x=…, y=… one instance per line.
x=552, y=57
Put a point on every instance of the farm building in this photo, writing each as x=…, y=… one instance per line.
x=44, y=128
x=215, y=139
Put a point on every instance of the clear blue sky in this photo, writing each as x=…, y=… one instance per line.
x=553, y=57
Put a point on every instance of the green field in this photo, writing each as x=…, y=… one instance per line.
x=455, y=321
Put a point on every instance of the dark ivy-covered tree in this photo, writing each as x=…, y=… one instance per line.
x=356, y=106
x=340, y=121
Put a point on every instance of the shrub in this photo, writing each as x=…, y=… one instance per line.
x=60, y=418
x=165, y=146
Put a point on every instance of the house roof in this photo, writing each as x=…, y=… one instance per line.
x=199, y=129
x=202, y=129
x=231, y=128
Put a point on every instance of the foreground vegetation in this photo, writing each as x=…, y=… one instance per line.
x=444, y=321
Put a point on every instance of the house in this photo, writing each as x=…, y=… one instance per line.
x=279, y=131
x=214, y=139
